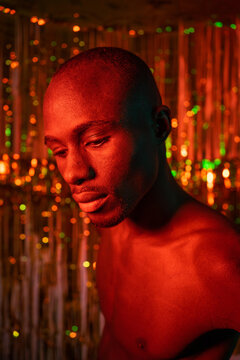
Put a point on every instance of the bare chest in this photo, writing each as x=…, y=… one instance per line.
x=150, y=296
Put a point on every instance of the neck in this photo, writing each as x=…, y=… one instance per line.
x=154, y=211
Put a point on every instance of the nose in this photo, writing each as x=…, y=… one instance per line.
x=77, y=169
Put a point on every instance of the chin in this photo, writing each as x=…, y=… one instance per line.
x=107, y=219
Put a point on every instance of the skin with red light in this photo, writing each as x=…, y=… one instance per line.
x=168, y=267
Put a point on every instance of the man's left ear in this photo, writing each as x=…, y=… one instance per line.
x=162, y=122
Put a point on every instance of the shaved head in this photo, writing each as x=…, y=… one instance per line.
x=124, y=65
x=124, y=73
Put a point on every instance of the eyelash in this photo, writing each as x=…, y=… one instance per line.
x=98, y=142
x=60, y=153
x=95, y=143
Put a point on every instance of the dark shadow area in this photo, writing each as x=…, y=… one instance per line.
x=212, y=339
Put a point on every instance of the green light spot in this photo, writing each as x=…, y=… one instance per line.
x=222, y=151
x=207, y=164
x=75, y=328
x=8, y=62
x=15, y=333
x=169, y=154
x=8, y=144
x=205, y=126
x=174, y=173
x=159, y=30
x=186, y=31
x=196, y=109
x=217, y=161
x=50, y=152
x=189, y=162
x=191, y=30
x=67, y=332
x=53, y=58
x=53, y=43
x=23, y=136
x=152, y=70
x=22, y=207
x=222, y=107
x=218, y=24
x=168, y=28
x=61, y=235
x=233, y=26
x=168, y=143
x=23, y=148
x=8, y=132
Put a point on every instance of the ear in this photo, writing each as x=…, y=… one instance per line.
x=162, y=122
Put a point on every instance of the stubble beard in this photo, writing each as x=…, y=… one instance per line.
x=112, y=220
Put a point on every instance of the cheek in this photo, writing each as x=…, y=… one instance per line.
x=112, y=163
x=61, y=166
x=115, y=168
x=143, y=169
x=132, y=170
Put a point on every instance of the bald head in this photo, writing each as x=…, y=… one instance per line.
x=110, y=72
x=129, y=68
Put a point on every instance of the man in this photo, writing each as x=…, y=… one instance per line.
x=168, y=269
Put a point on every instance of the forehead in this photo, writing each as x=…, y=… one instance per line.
x=91, y=96
x=67, y=103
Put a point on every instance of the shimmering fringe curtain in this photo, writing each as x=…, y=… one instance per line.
x=48, y=301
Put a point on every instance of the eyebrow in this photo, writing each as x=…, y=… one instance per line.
x=79, y=130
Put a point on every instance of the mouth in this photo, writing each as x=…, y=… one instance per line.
x=90, y=202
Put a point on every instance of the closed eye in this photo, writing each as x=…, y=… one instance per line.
x=61, y=153
x=94, y=143
x=98, y=142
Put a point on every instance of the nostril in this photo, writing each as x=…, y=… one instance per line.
x=79, y=181
x=91, y=173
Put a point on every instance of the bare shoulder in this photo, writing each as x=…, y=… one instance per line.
x=215, y=239
x=211, y=227
x=215, y=249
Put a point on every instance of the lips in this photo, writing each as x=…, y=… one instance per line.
x=90, y=201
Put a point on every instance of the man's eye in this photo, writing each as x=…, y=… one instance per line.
x=61, y=153
x=98, y=142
